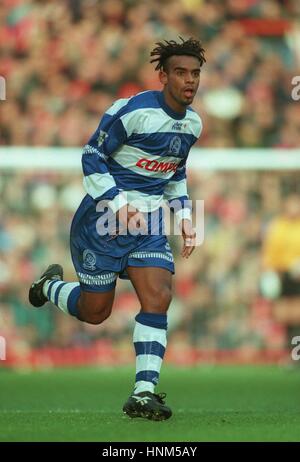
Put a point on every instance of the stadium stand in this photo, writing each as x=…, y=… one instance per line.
x=64, y=64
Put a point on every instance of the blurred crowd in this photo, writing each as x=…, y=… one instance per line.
x=217, y=303
x=66, y=61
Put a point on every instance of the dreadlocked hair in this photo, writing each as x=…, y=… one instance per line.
x=168, y=48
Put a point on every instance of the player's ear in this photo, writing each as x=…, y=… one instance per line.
x=163, y=77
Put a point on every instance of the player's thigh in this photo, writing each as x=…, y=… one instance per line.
x=153, y=286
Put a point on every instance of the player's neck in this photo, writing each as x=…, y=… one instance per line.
x=172, y=107
x=172, y=103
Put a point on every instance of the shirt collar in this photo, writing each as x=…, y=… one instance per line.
x=168, y=110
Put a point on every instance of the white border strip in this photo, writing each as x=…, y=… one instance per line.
x=43, y=158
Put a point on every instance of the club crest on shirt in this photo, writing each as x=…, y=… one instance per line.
x=175, y=145
x=89, y=260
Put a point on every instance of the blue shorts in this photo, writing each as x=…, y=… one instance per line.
x=100, y=259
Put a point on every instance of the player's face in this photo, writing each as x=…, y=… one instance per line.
x=181, y=80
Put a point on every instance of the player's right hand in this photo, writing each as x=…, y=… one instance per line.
x=189, y=237
x=130, y=218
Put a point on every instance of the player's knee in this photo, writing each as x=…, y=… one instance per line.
x=166, y=296
x=97, y=317
x=95, y=314
x=159, y=298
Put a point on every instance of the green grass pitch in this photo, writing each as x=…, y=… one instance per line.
x=210, y=403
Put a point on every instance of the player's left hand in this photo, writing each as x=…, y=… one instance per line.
x=189, y=237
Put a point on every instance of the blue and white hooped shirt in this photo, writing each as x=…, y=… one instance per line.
x=138, y=153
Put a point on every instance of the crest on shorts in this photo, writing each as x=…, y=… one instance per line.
x=175, y=145
x=89, y=260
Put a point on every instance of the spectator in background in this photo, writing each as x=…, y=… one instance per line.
x=281, y=264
